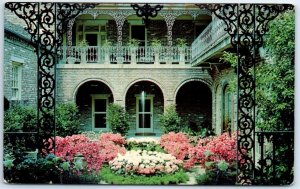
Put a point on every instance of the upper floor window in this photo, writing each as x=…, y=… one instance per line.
x=16, y=80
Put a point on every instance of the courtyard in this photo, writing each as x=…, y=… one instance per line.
x=128, y=101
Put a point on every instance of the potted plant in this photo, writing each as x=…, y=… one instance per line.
x=83, y=48
x=181, y=44
x=156, y=44
x=133, y=45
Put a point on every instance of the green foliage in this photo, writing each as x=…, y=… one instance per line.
x=223, y=165
x=156, y=43
x=34, y=170
x=201, y=130
x=68, y=121
x=230, y=58
x=170, y=120
x=180, y=42
x=112, y=178
x=20, y=118
x=275, y=77
x=217, y=173
x=49, y=169
x=133, y=43
x=117, y=118
x=25, y=119
x=107, y=43
x=83, y=43
x=148, y=146
x=206, y=178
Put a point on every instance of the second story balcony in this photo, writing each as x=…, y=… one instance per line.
x=204, y=38
x=128, y=55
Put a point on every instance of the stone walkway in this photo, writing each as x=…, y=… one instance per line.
x=192, y=175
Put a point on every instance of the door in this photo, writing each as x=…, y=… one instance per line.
x=99, y=110
x=144, y=115
x=92, y=51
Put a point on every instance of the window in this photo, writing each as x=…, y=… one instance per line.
x=16, y=80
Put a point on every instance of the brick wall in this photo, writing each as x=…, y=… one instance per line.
x=20, y=51
x=119, y=80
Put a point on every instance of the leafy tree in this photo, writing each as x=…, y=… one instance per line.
x=67, y=119
x=275, y=77
x=170, y=120
x=20, y=118
x=117, y=118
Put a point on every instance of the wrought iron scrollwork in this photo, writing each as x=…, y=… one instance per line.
x=146, y=11
x=246, y=24
x=46, y=23
x=276, y=153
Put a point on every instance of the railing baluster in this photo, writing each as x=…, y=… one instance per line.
x=96, y=54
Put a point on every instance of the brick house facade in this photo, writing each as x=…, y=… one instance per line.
x=94, y=75
x=20, y=67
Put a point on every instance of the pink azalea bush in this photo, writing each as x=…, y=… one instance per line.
x=177, y=144
x=144, y=162
x=115, y=138
x=95, y=153
x=222, y=147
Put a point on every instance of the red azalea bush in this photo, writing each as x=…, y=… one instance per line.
x=177, y=144
x=110, y=150
x=222, y=147
x=115, y=138
x=95, y=153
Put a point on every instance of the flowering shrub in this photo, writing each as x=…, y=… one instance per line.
x=115, y=138
x=145, y=163
x=95, y=153
x=110, y=150
x=177, y=144
x=216, y=148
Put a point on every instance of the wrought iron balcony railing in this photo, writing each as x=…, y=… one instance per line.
x=127, y=55
x=210, y=41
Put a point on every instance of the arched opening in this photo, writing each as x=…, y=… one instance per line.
x=194, y=105
x=92, y=99
x=144, y=103
x=227, y=113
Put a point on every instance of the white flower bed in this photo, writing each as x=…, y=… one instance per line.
x=145, y=162
x=143, y=140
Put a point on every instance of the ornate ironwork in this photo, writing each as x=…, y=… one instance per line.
x=46, y=23
x=146, y=11
x=246, y=24
x=276, y=153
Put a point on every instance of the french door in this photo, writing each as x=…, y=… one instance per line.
x=144, y=114
x=99, y=111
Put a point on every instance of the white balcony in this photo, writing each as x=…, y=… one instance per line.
x=127, y=55
x=211, y=41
